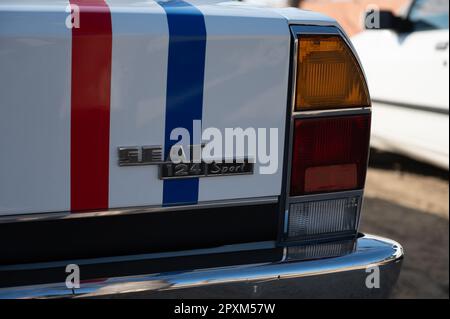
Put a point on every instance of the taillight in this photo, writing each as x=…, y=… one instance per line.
x=329, y=142
x=328, y=75
x=329, y=154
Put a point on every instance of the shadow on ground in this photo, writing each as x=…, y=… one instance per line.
x=425, y=238
x=391, y=161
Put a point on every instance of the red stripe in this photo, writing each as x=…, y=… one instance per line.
x=90, y=106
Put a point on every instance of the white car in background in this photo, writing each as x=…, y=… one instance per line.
x=406, y=63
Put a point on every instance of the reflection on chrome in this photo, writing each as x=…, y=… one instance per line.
x=246, y=280
x=322, y=250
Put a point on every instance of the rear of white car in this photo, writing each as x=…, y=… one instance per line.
x=88, y=120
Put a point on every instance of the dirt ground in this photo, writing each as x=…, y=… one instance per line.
x=409, y=202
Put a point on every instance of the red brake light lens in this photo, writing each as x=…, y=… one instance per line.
x=330, y=154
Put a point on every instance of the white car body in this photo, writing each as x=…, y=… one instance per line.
x=408, y=77
x=35, y=128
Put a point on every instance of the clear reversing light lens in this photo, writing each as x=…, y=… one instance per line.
x=328, y=75
x=324, y=217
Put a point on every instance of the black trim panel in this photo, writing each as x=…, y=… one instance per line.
x=106, y=236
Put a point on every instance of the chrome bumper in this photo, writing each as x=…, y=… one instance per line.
x=339, y=277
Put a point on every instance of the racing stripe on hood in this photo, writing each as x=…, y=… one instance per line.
x=90, y=106
x=184, y=97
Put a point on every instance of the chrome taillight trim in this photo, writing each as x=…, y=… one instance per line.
x=331, y=113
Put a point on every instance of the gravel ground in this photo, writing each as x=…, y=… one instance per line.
x=408, y=201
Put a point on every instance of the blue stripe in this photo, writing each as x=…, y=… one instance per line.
x=185, y=76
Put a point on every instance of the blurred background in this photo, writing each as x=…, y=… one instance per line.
x=404, y=48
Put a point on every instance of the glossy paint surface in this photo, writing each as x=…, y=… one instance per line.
x=138, y=98
x=245, y=85
x=246, y=79
x=90, y=107
x=35, y=55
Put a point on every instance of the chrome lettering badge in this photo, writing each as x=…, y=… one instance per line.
x=186, y=170
x=145, y=155
x=152, y=155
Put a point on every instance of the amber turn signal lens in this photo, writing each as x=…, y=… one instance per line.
x=328, y=75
